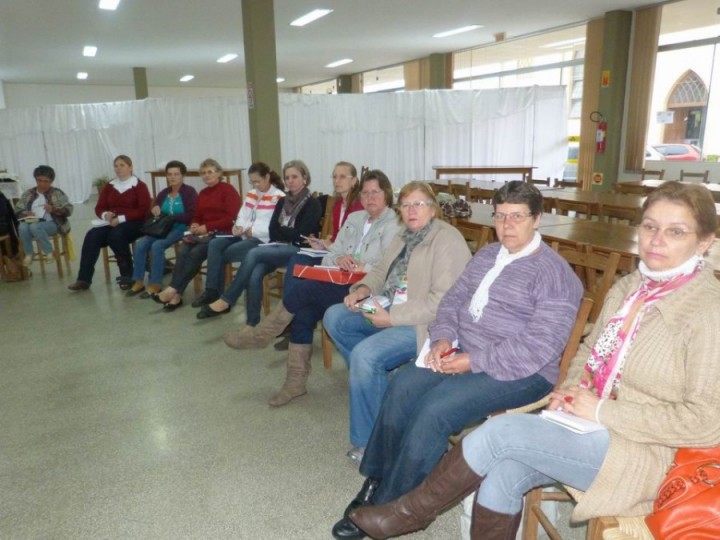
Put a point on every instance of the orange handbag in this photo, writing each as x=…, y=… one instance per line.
x=688, y=502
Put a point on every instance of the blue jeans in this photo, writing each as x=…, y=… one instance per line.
x=222, y=251
x=257, y=264
x=518, y=452
x=371, y=353
x=422, y=409
x=40, y=230
x=291, y=282
x=156, y=247
x=308, y=303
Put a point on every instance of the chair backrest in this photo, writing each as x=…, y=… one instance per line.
x=460, y=189
x=647, y=174
x=576, y=335
x=567, y=184
x=476, y=237
x=633, y=189
x=632, y=215
x=326, y=230
x=564, y=207
x=439, y=187
x=481, y=194
x=703, y=176
x=363, y=171
x=538, y=182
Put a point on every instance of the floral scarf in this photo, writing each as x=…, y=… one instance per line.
x=397, y=274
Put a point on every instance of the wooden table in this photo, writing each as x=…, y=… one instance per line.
x=482, y=217
x=654, y=184
x=195, y=173
x=524, y=171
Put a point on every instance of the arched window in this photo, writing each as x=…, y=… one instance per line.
x=689, y=91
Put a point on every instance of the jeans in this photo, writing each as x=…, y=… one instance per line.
x=156, y=247
x=518, y=452
x=40, y=230
x=257, y=264
x=370, y=353
x=291, y=282
x=117, y=238
x=422, y=409
x=189, y=260
x=308, y=303
x=222, y=251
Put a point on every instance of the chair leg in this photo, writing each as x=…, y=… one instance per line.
x=530, y=521
x=57, y=253
x=40, y=256
x=596, y=527
x=327, y=348
x=66, y=254
x=266, y=294
x=106, y=263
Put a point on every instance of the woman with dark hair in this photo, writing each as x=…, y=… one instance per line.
x=217, y=205
x=252, y=228
x=178, y=201
x=495, y=344
x=359, y=246
x=43, y=211
x=122, y=207
x=296, y=216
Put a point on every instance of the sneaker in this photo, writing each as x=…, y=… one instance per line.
x=49, y=258
x=27, y=260
x=356, y=454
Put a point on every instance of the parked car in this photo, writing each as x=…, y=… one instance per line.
x=651, y=153
x=679, y=152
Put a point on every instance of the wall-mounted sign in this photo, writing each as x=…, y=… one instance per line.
x=597, y=178
x=665, y=117
x=605, y=80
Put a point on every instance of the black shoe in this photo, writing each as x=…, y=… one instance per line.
x=167, y=308
x=206, y=312
x=364, y=496
x=345, y=528
x=208, y=296
x=79, y=286
x=125, y=282
x=156, y=298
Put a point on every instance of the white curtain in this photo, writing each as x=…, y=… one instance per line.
x=404, y=134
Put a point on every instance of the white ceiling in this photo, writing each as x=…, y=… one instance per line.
x=41, y=41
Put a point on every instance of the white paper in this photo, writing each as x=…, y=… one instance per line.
x=571, y=422
x=420, y=360
x=317, y=253
x=99, y=223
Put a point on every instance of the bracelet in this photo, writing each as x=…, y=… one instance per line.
x=597, y=410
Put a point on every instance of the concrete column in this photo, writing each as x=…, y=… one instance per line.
x=140, y=81
x=440, y=71
x=261, y=74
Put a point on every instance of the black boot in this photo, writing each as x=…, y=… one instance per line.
x=125, y=265
x=347, y=529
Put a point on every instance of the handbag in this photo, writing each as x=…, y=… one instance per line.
x=688, y=501
x=329, y=275
x=157, y=226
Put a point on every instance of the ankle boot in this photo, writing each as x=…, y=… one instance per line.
x=490, y=525
x=260, y=336
x=298, y=369
x=125, y=265
x=450, y=481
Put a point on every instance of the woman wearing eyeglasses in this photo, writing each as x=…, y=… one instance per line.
x=495, y=344
x=648, y=374
x=418, y=268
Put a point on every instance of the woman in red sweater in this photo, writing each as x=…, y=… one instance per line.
x=122, y=207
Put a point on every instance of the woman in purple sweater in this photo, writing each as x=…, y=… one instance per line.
x=509, y=314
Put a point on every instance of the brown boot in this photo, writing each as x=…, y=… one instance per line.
x=298, y=369
x=448, y=483
x=490, y=525
x=260, y=336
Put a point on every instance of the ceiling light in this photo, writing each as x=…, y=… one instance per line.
x=227, y=58
x=458, y=31
x=186, y=78
x=564, y=43
x=280, y=79
x=82, y=75
x=108, y=4
x=310, y=17
x=89, y=50
x=339, y=63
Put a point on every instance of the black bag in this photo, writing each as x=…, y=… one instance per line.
x=157, y=226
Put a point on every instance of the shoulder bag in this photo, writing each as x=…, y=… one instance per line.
x=157, y=226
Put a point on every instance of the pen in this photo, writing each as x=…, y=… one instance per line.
x=450, y=352
x=363, y=299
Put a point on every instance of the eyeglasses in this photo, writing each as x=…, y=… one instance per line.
x=671, y=233
x=368, y=194
x=342, y=176
x=417, y=205
x=515, y=217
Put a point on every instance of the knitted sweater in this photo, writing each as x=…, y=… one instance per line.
x=189, y=198
x=256, y=212
x=668, y=397
x=133, y=204
x=526, y=323
x=62, y=208
x=217, y=207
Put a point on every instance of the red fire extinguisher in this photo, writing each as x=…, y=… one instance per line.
x=601, y=133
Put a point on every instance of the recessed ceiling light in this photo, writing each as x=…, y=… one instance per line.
x=186, y=78
x=339, y=63
x=227, y=58
x=458, y=31
x=82, y=75
x=89, y=50
x=310, y=17
x=108, y=4
x=280, y=79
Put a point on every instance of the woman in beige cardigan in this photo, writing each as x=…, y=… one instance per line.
x=650, y=380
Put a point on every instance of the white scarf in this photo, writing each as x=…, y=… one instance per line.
x=504, y=257
x=123, y=185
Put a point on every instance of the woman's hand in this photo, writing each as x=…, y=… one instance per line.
x=348, y=263
x=454, y=364
x=433, y=356
x=317, y=243
x=48, y=208
x=155, y=210
x=200, y=230
x=237, y=230
x=354, y=297
x=575, y=400
x=381, y=317
x=25, y=213
x=114, y=222
x=248, y=232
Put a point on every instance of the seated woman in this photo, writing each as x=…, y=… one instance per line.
x=176, y=200
x=361, y=243
x=510, y=315
x=217, y=205
x=648, y=373
x=252, y=228
x=416, y=271
x=298, y=215
x=123, y=205
x=43, y=211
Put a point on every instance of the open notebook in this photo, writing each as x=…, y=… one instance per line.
x=571, y=422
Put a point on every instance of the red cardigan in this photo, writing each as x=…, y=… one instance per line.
x=134, y=203
x=354, y=207
x=217, y=207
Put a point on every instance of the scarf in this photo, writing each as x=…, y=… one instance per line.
x=504, y=258
x=292, y=204
x=603, y=369
x=397, y=274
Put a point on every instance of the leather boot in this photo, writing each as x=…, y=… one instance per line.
x=298, y=370
x=490, y=525
x=260, y=336
x=125, y=265
x=450, y=481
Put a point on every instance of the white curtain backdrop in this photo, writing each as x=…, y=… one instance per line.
x=404, y=134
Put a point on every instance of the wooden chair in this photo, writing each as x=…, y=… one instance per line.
x=703, y=176
x=364, y=169
x=549, y=204
x=481, y=195
x=439, y=187
x=567, y=184
x=461, y=190
x=538, y=182
x=6, y=250
x=648, y=174
x=107, y=259
x=476, y=237
x=633, y=189
x=565, y=207
x=59, y=253
x=326, y=230
x=610, y=211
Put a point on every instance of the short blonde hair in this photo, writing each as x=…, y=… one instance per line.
x=423, y=188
